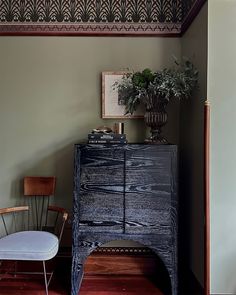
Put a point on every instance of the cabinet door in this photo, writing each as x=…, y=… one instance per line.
x=101, y=195
x=148, y=190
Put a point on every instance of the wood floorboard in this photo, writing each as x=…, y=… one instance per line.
x=30, y=285
x=91, y=285
x=117, y=285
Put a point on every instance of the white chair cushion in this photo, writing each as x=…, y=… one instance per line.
x=29, y=245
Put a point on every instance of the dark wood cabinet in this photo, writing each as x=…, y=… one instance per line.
x=125, y=192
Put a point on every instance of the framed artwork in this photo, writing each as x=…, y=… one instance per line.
x=112, y=103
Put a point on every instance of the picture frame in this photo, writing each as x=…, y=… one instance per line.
x=112, y=107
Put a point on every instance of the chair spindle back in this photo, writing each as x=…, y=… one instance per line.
x=14, y=221
x=39, y=189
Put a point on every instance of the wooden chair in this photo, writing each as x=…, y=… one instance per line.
x=34, y=245
x=39, y=190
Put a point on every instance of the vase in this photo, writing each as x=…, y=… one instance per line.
x=155, y=117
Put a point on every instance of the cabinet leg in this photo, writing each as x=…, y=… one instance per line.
x=77, y=273
x=174, y=286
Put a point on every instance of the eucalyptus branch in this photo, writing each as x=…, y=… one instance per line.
x=167, y=84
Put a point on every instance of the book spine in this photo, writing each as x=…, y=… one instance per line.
x=108, y=141
x=106, y=137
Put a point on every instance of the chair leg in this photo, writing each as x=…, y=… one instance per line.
x=49, y=280
x=45, y=278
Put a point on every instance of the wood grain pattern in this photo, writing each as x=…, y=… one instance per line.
x=92, y=285
x=148, y=192
x=39, y=186
x=122, y=263
x=125, y=192
x=100, y=278
x=101, y=189
x=13, y=209
x=116, y=285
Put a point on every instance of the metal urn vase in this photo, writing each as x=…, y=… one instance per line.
x=155, y=117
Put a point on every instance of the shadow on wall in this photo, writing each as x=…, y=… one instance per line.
x=59, y=163
x=191, y=190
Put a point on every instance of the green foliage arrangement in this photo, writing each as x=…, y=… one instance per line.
x=164, y=85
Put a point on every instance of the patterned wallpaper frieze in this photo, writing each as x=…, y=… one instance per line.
x=143, y=17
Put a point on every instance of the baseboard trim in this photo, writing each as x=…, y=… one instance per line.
x=66, y=251
x=124, y=251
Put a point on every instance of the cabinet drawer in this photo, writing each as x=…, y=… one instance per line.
x=101, y=157
x=101, y=212
x=102, y=167
x=142, y=168
x=102, y=176
x=101, y=189
x=148, y=191
x=147, y=214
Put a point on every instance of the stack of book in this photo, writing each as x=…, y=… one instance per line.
x=113, y=138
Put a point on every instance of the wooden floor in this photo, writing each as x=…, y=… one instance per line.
x=30, y=286
x=92, y=285
x=128, y=285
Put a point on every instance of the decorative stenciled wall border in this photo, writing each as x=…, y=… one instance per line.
x=96, y=17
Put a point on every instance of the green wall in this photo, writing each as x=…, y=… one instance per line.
x=222, y=96
x=50, y=98
x=194, y=45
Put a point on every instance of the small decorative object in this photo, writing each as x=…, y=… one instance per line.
x=102, y=129
x=105, y=134
x=111, y=138
x=154, y=90
x=119, y=128
x=112, y=100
